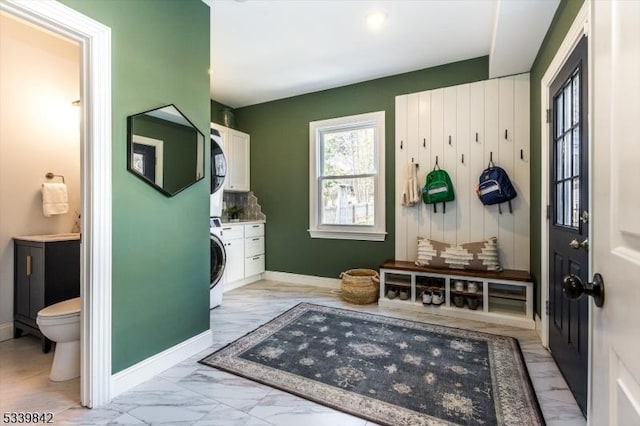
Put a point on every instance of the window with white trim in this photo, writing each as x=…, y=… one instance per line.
x=346, y=177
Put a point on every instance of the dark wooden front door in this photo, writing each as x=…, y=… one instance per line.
x=568, y=221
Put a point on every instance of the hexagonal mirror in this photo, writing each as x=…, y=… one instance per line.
x=165, y=149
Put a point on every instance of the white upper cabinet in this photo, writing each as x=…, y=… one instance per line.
x=236, y=151
x=462, y=128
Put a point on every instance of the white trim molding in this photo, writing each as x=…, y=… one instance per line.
x=154, y=365
x=287, y=277
x=94, y=39
x=241, y=283
x=158, y=146
x=6, y=331
x=578, y=29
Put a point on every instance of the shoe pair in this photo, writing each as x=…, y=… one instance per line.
x=472, y=301
x=435, y=298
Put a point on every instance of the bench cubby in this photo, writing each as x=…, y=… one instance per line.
x=498, y=297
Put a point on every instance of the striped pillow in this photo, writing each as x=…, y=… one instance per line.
x=476, y=256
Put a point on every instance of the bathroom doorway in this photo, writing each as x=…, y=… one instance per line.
x=94, y=114
x=39, y=148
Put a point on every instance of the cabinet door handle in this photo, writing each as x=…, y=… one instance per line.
x=29, y=265
x=256, y=258
x=255, y=226
x=256, y=239
x=226, y=229
x=400, y=144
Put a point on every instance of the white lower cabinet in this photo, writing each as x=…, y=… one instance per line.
x=244, y=244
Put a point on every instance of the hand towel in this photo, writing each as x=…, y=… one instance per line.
x=54, y=199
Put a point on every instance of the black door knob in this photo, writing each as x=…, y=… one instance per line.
x=573, y=287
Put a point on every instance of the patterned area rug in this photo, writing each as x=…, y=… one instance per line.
x=387, y=370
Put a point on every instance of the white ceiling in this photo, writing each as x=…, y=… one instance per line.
x=265, y=50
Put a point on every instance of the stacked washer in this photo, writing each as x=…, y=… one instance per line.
x=218, y=253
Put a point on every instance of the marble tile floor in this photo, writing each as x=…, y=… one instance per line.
x=193, y=394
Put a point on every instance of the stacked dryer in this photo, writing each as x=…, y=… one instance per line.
x=218, y=253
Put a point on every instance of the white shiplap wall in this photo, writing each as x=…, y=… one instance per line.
x=461, y=126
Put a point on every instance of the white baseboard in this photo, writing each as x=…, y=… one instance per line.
x=241, y=283
x=538, y=326
x=6, y=331
x=152, y=366
x=287, y=277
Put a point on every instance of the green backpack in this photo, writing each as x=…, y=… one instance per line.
x=438, y=189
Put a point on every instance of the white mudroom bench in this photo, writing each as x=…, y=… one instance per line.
x=504, y=297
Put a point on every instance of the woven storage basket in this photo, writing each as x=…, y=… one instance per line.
x=360, y=286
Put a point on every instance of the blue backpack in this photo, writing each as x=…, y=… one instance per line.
x=495, y=187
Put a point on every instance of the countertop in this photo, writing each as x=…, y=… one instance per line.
x=243, y=222
x=49, y=238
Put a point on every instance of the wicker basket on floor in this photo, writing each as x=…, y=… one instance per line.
x=360, y=286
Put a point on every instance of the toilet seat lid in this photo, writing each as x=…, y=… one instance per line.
x=67, y=307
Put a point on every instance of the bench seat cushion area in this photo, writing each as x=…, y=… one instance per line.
x=506, y=275
x=476, y=256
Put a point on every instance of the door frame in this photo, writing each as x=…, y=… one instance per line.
x=94, y=40
x=578, y=29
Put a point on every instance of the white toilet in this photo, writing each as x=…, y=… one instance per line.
x=60, y=323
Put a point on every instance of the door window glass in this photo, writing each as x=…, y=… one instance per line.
x=567, y=148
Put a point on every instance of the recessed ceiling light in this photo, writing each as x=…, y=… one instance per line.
x=376, y=20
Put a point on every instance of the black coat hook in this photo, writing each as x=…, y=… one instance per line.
x=449, y=139
x=400, y=144
x=424, y=142
x=462, y=158
x=522, y=154
x=506, y=134
x=476, y=136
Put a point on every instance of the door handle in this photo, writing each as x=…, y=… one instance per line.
x=573, y=287
x=29, y=266
x=574, y=244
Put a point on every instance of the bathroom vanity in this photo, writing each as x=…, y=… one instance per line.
x=46, y=271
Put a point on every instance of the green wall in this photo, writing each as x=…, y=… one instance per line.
x=216, y=111
x=564, y=17
x=280, y=165
x=160, y=56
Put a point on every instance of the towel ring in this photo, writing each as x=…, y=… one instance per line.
x=51, y=176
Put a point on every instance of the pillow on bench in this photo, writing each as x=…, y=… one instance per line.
x=475, y=256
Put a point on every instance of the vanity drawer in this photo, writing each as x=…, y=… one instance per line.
x=255, y=230
x=232, y=232
x=254, y=265
x=253, y=246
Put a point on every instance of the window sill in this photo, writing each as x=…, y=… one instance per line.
x=348, y=235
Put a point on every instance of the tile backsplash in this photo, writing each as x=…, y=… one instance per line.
x=249, y=203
